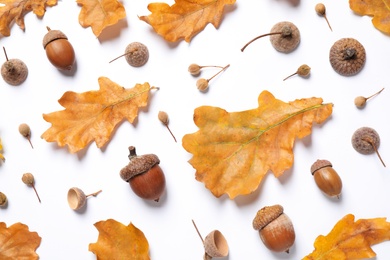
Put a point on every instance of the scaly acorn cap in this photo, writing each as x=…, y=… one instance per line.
x=320, y=164
x=138, y=164
x=52, y=35
x=266, y=215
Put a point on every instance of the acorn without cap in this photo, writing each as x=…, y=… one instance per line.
x=59, y=50
x=144, y=175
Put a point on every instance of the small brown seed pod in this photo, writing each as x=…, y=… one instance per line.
x=3, y=199
x=215, y=244
x=284, y=36
x=303, y=71
x=360, y=101
x=326, y=178
x=59, y=50
x=347, y=56
x=136, y=54
x=13, y=71
x=25, y=131
x=203, y=84
x=366, y=140
x=321, y=11
x=275, y=228
x=29, y=180
x=144, y=175
x=77, y=198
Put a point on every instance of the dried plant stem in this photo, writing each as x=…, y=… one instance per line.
x=33, y=186
x=375, y=148
x=290, y=76
x=197, y=230
x=224, y=68
x=170, y=132
x=29, y=140
x=258, y=37
x=5, y=53
x=377, y=93
x=93, y=194
x=129, y=52
x=326, y=19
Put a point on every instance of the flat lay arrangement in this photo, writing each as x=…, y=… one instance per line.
x=214, y=129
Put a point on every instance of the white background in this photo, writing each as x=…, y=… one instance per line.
x=167, y=225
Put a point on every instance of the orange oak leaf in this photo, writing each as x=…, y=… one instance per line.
x=117, y=241
x=17, y=242
x=93, y=115
x=1, y=149
x=185, y=18
x=351, y=240
x=378, y=9
x=99, y=14
x=232, y=152
x=14, y=11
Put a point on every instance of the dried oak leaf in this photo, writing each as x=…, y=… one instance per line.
x=99, y=14
x=17, y=242
x=351, y=240
x=93, y=115
x=1, y=149
x=14, y=11
x=378, y=9
x=185, y=18
x=232, y=152
x=117, y=241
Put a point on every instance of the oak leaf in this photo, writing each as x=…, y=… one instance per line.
x=185, y=18
x=378, y=9
x=99, y=14
x=232, y=152
x=14, y=11
x=117, y=241
x=351, y=240
x=93, y=115
x=1, y=149
x=17, y=242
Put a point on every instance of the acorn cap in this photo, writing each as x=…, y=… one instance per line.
x=285, y=44
x=76, y=198
x=215, y=244
x=320, y=164
x=138, y=164
x=52, y=35
x=266, y=215
x=347, y=56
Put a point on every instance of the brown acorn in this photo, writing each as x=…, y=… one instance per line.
x=59, y=50
x=275, y=228
x=326, y=178
x=144, y=175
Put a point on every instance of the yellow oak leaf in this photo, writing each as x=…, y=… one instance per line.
x=351, y=240
x=99, y=14
x=232, y=152
x=378, y=9
x=93, y=115
x=185, y=18
x=17, y=242
x=14, y=11
x=117, y=241
x=1, y=149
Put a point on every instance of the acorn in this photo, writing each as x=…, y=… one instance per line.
x=59, y=50
x=326, y=178
x=275, y=228
x=144, y=175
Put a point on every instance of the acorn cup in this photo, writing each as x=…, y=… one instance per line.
x=77, y=198
x=215, y=244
